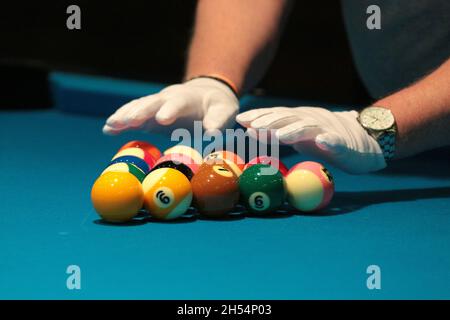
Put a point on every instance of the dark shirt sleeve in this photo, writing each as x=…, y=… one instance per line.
x=414, y=39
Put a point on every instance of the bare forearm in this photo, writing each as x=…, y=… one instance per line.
x=422, y=113
x=235, y=38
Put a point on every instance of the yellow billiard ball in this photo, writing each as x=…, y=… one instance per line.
x=117, y=196
x=167, y=193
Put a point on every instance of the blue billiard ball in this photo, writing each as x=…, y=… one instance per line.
x=141, y=164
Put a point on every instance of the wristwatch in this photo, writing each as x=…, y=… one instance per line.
x=380, y=123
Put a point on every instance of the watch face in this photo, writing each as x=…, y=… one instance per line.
x=376, y=118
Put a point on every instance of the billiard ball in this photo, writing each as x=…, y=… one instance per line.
x=269, y=160
x=137, y=152
x=231, y=159
x=310, y=186
x=180, y=162
x=138, y=162
x=148, y=147
x=262, y=188
x=167, y=193
x=186, y=150
x=117, y=196
x=216, y=190
x=126, y=167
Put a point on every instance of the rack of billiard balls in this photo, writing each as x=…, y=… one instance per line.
x=166, y=185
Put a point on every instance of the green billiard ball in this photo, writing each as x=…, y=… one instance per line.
x=262, y=189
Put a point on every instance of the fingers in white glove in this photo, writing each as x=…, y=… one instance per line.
x=134, y=114
x=331, y=143
x=218, y=116
x=117, y=119
x=252, y=133
x=110, y=131
x=143, y=111
x=199, y=99
x=273, y=121
x=263, y=135
x=246, y=118
x=171, y=110
x=299, y=131
x=336, y=137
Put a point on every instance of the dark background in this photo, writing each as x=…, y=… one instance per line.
x=147, y=40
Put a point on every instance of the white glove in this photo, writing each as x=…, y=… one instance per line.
x=199, y=99
x=336, y=137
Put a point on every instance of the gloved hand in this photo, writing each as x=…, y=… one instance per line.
x=199, y=99
x=336, y=137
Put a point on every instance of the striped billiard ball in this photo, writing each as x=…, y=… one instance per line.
x=167, y=193
x=310, y=186
x=262, y=189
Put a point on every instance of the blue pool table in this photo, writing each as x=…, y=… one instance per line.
x=397, y=219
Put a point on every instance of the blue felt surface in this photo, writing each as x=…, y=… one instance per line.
x=398, y=219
